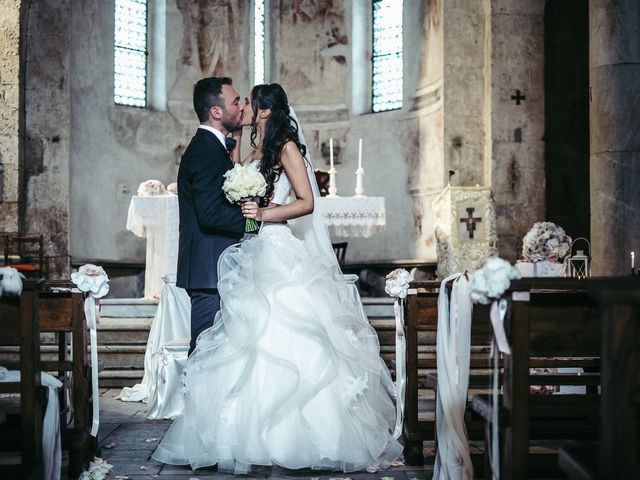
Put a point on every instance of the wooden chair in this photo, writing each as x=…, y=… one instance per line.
x=19, y=327
x=25, y=253
x=550, y=323
x=322, y=178
x=62, y=313
x=340, y=249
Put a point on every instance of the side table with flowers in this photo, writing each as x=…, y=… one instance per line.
x=544, y=250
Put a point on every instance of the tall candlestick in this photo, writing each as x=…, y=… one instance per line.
x=333, y=190
x=360, y=153
x=331, y=152
x=633, y=260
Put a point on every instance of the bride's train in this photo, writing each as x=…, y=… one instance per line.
x=288, y=375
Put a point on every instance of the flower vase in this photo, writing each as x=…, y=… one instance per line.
x=544, y=268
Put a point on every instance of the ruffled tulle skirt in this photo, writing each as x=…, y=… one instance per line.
x=290, y=374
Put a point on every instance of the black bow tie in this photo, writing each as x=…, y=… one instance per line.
x=230, y=143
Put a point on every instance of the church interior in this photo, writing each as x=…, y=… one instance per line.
x=442, y=133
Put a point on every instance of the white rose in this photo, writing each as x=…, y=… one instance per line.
x=243, y=182
x=151, y=188
x=91, y=278
x=397, y=284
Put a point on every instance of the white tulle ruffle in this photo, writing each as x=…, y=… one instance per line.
x=287, y=375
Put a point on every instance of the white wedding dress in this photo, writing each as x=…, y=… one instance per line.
x=289, y=375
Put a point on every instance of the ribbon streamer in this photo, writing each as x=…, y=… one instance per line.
x=453, y=347
x=92, y=317
x=401, y=365
x=499, y=344
x=498, y=312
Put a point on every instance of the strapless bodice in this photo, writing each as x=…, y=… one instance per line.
x=281, y=187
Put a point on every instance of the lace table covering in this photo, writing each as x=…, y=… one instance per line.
x=156, y=219
x=354, y=216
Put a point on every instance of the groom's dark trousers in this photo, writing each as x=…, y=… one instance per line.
x=208, y=225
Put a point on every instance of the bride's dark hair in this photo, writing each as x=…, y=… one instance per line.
x=280, y=128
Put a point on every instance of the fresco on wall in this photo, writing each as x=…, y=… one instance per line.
x=217, y=25
x=320, y=24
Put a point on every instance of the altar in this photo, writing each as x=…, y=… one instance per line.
x=156, y=219
x=358, y=216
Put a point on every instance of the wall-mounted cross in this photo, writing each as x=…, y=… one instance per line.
x=518, y=97
x=471, y=221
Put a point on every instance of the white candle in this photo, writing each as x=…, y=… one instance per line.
x=633, y=260
x=360, y=153
x=331, y=151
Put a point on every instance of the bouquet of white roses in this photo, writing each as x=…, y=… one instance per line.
x=244, y=183
x=546, y=241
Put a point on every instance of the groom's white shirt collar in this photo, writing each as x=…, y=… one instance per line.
x=215, y=131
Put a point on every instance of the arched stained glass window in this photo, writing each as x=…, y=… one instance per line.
x=258, y=42
x=387, y=55
x=130, y=53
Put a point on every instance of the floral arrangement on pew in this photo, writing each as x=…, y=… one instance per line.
x=397, y=286
x=488, y=284
x=544, y=250
x=94, y=281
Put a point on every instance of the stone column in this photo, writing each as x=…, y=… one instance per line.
x=10, y=114
x=614, y=74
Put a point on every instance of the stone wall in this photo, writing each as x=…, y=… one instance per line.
x=517, y=167
x=467, y=66
x=614, y=73
x=48, y=130
x=9, y=114
x=114, y=148
x=322, y=60
x=463, y=63
x=423, y=142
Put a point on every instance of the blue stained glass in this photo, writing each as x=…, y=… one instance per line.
x=258, y=43
x=387, y=55
x=130, y=53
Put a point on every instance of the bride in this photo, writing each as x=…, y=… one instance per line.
x=289, y=374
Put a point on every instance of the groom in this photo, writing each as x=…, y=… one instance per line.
x=208, y=222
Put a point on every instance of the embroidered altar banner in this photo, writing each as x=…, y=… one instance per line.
x=465, y=222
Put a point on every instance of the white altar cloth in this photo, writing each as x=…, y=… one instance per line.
x=156, y=218
x=172, y=323
x=354, y=216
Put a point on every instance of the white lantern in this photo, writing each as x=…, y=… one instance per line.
x=579, y=265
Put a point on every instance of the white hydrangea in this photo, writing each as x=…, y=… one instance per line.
x=243, y=182
x=492, y=280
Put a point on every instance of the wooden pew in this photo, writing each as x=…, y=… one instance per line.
x=421, y=323
x=19, y=327
x=617, y=454
x=558, y=325
x=62, y=313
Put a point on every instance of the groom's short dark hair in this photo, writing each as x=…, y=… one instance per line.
x=206, y=94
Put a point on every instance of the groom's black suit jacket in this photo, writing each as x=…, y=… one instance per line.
x=208, y=222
